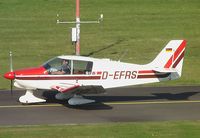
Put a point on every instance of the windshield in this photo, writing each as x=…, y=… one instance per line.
x=56, y=64
x=59, y=66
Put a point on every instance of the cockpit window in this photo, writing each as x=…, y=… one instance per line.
x=58, y=66
x=82, y=67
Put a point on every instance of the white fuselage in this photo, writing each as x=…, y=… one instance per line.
x=105, y=73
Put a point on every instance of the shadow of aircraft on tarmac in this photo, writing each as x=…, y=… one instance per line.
x=101, y=99
x=154, y=96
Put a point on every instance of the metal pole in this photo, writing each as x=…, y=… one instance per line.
x=78, y=23
x=78, y=27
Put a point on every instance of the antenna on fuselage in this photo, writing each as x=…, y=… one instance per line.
x=75, y=32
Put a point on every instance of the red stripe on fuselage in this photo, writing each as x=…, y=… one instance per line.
x=58, y=77
x=99, y=73
x=176, y=54
x=147, y=71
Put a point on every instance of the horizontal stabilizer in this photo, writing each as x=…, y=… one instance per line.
x=165, y=70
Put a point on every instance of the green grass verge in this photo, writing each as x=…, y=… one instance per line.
x=178, y=129
x=140, y=28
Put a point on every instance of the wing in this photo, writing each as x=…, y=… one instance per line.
x=77, y=89
x=64, y=89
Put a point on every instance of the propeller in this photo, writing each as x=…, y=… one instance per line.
x=11, y=87
x=11, y=70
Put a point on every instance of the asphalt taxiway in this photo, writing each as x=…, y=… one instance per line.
x=116, y=105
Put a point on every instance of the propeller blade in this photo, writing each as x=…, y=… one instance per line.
x=11, y=70
x=11, y=62
x=11, y=87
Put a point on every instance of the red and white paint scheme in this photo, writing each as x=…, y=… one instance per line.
x=92, y=75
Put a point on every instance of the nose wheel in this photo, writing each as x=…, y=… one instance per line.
x=29, y=98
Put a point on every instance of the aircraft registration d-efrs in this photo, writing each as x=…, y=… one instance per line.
x=88, y=75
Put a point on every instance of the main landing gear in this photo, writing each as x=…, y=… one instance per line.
x=29, y=98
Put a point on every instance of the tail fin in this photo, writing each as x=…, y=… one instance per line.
x=170, y=59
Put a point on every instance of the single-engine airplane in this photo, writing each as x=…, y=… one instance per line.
x=74, y=76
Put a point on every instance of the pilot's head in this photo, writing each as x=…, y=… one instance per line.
x=64, y=61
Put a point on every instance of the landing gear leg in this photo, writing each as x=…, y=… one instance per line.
x=30, y=98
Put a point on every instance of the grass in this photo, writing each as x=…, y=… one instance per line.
x=138, y=29
x=178, y=129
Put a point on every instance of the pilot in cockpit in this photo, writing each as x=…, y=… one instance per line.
x=65, y=68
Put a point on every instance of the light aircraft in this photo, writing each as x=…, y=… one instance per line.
x=86, y=75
